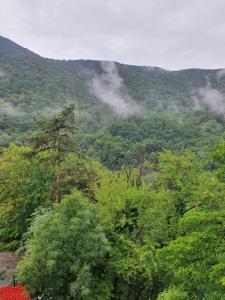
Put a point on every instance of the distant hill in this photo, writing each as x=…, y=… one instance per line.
x=106, y=93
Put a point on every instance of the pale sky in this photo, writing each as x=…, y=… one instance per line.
x=172, y=34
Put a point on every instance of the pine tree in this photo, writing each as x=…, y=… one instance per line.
x=56, y=135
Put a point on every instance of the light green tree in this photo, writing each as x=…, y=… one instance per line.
x=24, y=186
x=66, y=253
x=195, y=261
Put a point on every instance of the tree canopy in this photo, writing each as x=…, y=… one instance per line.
x=152, y=228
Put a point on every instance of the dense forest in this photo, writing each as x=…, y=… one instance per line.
x=112, y=178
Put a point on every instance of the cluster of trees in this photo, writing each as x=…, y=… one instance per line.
x=138, y=138
x=147, y=230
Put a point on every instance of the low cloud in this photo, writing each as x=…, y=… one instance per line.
x=211, y=97
x=220, y=74
x=48, y=112
x=2, y=74
x=10, y=110
x=110, y=89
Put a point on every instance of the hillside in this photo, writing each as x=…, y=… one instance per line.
x=117, y=192
x=122, y=110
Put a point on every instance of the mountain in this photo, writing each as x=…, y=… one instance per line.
x=11, y=50
x=119, y=107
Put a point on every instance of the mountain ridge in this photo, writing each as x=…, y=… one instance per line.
x=4, y=39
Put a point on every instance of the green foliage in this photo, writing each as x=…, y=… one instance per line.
x=173, y=294
x=36, y=177
x=163, y=238
x=56, y=136
x=151, y=226
x=191, y=185
x=24, y=186
x=134, y=227
x=67, y=243
x=132, y=140
x=56, y=133
x=196, y=257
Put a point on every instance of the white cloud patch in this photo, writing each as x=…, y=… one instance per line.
x=109, y=88
x=2, y=74
x=48, y=112
x=10, y=110
x=220, y=74
x=210, y=97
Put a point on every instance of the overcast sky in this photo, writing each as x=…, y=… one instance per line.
x=172, y=34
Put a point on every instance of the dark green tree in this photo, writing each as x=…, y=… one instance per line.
x=56, y=136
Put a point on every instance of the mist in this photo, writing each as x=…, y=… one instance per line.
x=2, y=74
x=110, y=89
x=220, y=74
x=10, y=110
x=211, y=97
x=48, y=111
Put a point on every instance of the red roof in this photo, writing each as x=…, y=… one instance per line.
x=13, y=293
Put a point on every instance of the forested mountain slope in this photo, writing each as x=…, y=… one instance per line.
x=147, y=223
x=133, y=110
